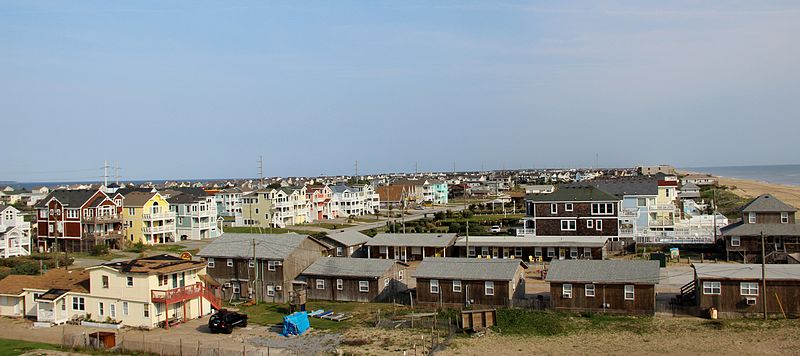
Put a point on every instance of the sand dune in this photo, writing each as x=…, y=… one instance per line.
x=750, y=188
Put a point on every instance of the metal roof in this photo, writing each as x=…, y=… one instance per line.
x=573, y=193
x=604, y=271
x=470, y=269
x=767, y=203
x=746, y=271
x=416, y=240
x=349, y=267
x=268, y=246
x=538, y=241
x=349, y=238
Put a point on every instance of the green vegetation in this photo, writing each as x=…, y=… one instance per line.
x=30, y=264
x=18, y=347
x=549, y=323
x=728, y=203
x=331, y=226
x=268, y=314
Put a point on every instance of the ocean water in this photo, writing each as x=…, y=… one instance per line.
x=780, y=174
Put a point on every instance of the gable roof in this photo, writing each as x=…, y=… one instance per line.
x=409, y=240
x=746, y=271
x=136, y=199
x=73, y=280
x=471, y=269
x=623, y=186
x=349, y=238
x=739, y=228
x=573, y=193
x=68, y=198
x=604, y=271
x=268, y=246
x=158, y=264
x=349, y=267
x=767, y=203
x=4, y=207
x=690, y=186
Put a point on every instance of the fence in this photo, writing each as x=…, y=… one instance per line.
x=177, y=347
x=671, y=309
x=440, y=330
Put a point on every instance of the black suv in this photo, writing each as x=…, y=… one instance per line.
x=224, y=321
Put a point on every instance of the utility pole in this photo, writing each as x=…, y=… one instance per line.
x=105, y=175
x=764, y=274
x=116, y=173
x=466, y=207
x=416, y=168
x=356, y=176
x=261, y=172
x=255, y=280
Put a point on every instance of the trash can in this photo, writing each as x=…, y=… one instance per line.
x=660, y=257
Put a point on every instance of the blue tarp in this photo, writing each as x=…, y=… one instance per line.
x=295, y=324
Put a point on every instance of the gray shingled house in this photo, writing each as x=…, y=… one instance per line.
x=347, y=243
x=355, y=279
x=279, y=259
x=460, y=282
x=615, y=286
x=410, y=247
x=772, y=217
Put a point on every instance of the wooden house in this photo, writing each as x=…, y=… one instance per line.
x=355, y=279
x=279, y=259
x=532, y=247
x=461, y=282
x=772, y=217
x=581, y=211
x=409, y=247
x=736, y=290
x=346, y=243
x=613, y=286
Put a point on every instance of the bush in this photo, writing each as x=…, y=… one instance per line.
x=99, y=250
x=466, y=214
x=138, y=247
x=27, y=267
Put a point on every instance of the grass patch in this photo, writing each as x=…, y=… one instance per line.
x=105, y=257
x=550, y=323
x=330, y=226
x=366, y=220
x=17, y=347
x=485, y=218
x=268, y=314
x=728, y=203
x=255, y=230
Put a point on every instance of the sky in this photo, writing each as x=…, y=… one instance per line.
x=201, y=89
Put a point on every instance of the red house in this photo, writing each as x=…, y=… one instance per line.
x=78, y=220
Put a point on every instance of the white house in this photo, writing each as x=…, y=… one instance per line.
x=15, y=233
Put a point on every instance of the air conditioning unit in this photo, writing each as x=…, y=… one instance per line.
x=226, y=285
x=751, y=301
x=278, y=287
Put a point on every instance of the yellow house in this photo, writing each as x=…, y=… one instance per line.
x=665, y=211
x=146, y=218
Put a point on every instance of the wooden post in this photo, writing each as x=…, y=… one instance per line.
x=180, y=347
x=198, y=347
x=764, y=274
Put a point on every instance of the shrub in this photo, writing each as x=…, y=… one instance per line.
x=99, y=250
x=467, y=214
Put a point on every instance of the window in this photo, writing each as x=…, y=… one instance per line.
x=363, y=286
x=748, y=288
x=43, y=214
x=434, y=286
x=472, y=251
x=400, y=274
x=553, y=208
x=105, y=281
x=589, y=224
x=320, y=284
x=163, y=280
x=736, y=241
x=551, y=252
x=125, y=308
x=484, y=251
x=518, y=251
x=78, y=303
x=641, y=202
x=784, y=218
x=386, y=282
x=339, y=284
x=229, y=262
x=236, y=289
x=488, y=288
x=101, y=308
x=587, y=252
x=131, y=211
x=271, y=265
x=566, y=291
x=270, y=290
x=251, y=263
x=113, y=310
x=568, y=207
x=568, y=225
x=603, y=209
x=588, y=290
x=598, y=225
x=129, y=281
x=147, y=310
x=457, y=286
x=751, y=218
x=573, y=252
x=537, y=252
x=629, y=292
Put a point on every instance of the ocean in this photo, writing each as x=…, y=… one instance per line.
x=779, y=174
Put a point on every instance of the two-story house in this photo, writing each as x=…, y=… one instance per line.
x=260, y=266
x=229, y=202
x=78, y=220
x=195, y=214
x=355, y=200
x=319, y=198
x=147, y=218
x=15, y=233
x=774, y=219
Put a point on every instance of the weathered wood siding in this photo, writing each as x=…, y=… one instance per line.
x=730, y=302
x=505, y=293
x=611, y=294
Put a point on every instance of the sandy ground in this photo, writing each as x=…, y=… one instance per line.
x=751, y=189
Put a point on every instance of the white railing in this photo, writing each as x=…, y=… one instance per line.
x=158, y=229
x=204, y=224
x=206, y=212
x=159, y=216
x=523, y=231
x=626, y=231
x=629, y=212
x=662, y=207
x=675, y=237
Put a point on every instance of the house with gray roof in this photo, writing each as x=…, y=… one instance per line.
x=612, y=286
x=410, y=247
x=462, y=282
x=637, y=196
x=15, y=233
x=532, y=248
x=347, y=243
x=260, y=266
x=355, y=279
x=774, y=219
x=195, y=211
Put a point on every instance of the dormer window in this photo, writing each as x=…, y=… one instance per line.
x=751, y=218
x=784, y=218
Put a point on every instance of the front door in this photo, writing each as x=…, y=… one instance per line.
x=506, y=253
x=562, y=253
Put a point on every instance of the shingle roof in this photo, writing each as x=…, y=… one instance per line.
x=739, y=228
x=349, y=238
x=3, y=207
x=268, y=246
x=573, y=193
x=158, y=264
x=538, y=241
x=421, y=240
x=340, y=188
x=604, y=271
x=690, y=186
x=471, y=269
x=767, y=203
x=69, y=198
x=349, y=267
x=74, y=280
x=746, y=271
x=137, y=198
x=624, y=186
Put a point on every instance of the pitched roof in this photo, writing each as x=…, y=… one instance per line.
x=624, y=186
x=574, y=193
x=137, y=198
x=349, y=267
x=349, y=238
x=340, y=188
x=604, y=271
x=421, y=240
x=268, y=246
x=767, y=203
x=158, y=264
x=746, y=271
x=73, y=280
x=739, y=228
x=69, y=198
x=538, y=241
x=474, y=269
x=690, y=186
x=4, y=207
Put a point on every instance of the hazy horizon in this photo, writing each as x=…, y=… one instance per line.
x=202, y=89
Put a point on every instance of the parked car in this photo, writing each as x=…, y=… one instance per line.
x=495, y=228
x=224, y=321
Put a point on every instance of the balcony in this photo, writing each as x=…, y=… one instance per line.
x=158, y=229
x=204, y=224
x=676, y=237
x=99, y=219
x=626, y=231
x=523, y=231
x=197, y=213
x=661, y=223
x=110, y=235
x=159, y=216
x=662, y=207
x=629, y=212
x=176, y=294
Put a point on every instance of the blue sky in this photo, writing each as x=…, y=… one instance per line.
x=194, y=89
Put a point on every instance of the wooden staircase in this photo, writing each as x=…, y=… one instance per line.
x=687, y=295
